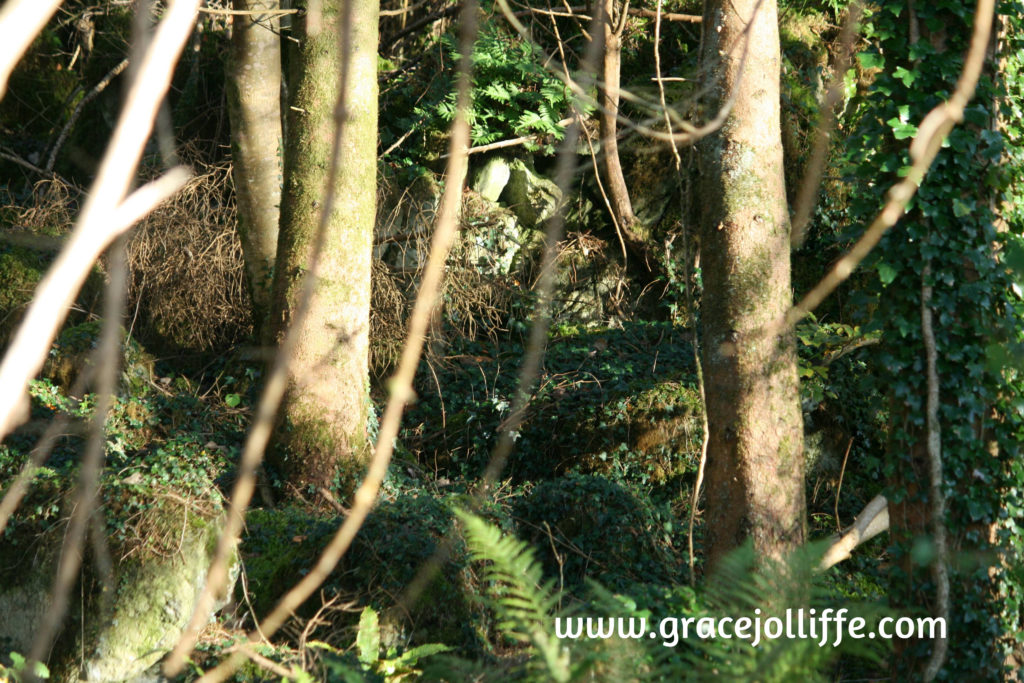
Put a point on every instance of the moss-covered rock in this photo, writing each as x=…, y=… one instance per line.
x=155, y=598
x=74, y=346
x=532, y=197
x=20, y=271
x=25, y=593
x=157, y=580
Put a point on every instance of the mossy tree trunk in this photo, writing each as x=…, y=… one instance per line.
x=325, y=408
x=755, y=472
x=611, y=75
x=254, y=108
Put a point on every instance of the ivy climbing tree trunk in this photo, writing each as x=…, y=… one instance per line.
x=755, y=472
x=324, y=413
x=954, y=253
x=254, y=108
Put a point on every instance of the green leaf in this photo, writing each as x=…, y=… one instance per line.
x=908, y=77
x=412, y=657
x=871, y=60
x=886, y=273
x=960, y=208
x=368, y=638
x=232, y=400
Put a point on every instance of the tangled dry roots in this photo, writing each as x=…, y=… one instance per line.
x=475, y=305
x=187, y=283
x=51, y=209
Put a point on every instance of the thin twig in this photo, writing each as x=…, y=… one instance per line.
x=89, y=97
x=501, y=144
x=404, y=10
x=25, y=163
x=839, y=486
x=575, y=13
x=690, y=307
x=248, y=12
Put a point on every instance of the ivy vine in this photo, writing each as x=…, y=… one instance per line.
x=966, y=222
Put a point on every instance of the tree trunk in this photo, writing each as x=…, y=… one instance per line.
x=608, y=120
x=325, y=408
x=755, y=472
x=254, y=108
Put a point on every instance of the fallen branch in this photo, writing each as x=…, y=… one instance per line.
x=501, y=144
x=575, y=13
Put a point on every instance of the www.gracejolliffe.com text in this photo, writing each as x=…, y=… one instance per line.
x=826, y=627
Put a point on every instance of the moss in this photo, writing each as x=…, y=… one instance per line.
x=20, y=272
x=72, y=350
x=155, y=598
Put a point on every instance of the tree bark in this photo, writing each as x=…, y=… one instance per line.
x=254, y=109
x=608, y=120
x=755, y=470
x=325, y=408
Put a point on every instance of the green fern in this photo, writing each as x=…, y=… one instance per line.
x=524, y=603
x=525, y=606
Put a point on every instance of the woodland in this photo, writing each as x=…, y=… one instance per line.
x=349, y=340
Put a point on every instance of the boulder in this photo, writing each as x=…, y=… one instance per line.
x=120, y=634
x=490, y=179
x=532, y=197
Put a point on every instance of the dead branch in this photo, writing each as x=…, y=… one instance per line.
x=577, y=13
x=89, y=97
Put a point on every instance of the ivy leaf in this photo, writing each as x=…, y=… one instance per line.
x=871, y=60
x=368, y=637
x=232, y=400
x=901, y=129
x=886, y=273
x=1013, y=257
x=961, y=208
x=908, y=77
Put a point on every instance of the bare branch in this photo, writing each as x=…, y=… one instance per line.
x=938, y=496
x=264, y=13
x=501, y=144
x=99, y=222
x=20, y=22
x=577, y=13
x=873, y=520
x=89, y=97
x=923, y=150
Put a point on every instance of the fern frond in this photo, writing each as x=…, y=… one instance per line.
x=523, y=601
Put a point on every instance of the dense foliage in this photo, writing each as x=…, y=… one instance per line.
x=959, y=236
x=591, y=514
